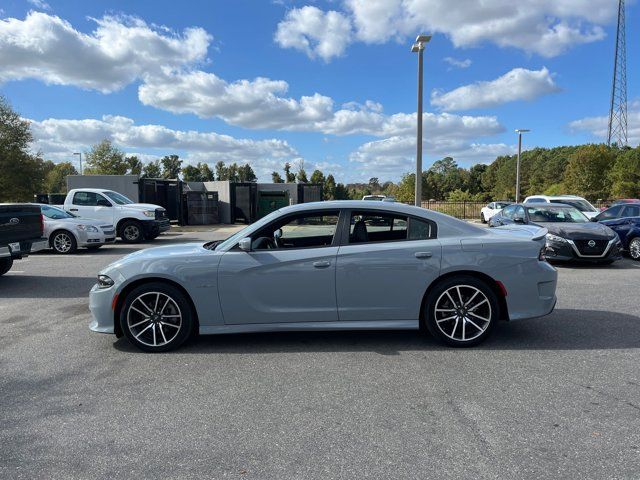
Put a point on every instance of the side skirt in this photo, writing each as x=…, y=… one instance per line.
x=310, y=326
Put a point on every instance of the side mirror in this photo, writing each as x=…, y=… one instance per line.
x=277, y=234
x=594, y=219
x=518, y=220
x=245, y=244
x=103, y=203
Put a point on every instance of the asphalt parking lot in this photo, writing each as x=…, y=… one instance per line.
x=556, y=397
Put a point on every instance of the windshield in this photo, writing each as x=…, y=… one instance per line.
x=581, y=205
x=118, y=198
x=502, y=204
x=556, y=215
x=55, y=213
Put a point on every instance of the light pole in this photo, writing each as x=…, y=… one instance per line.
x=80, y=155
x=418, y=48
x=519, y=131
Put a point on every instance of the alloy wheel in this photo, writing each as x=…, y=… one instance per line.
x=154, y=319
x=62, y=243
x=131, y=232
x=462, y=313
x=634, y=249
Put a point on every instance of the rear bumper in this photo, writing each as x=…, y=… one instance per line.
x=26, y=247
x=531, y=290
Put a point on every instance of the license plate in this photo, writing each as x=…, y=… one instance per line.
x=14, y=247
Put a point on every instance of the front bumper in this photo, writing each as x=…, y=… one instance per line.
x=569, y=252
x=100, y=305
x=88, y=239
x=155, y=227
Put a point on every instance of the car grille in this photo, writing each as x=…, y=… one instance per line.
x=597, y=248
x=161, y=214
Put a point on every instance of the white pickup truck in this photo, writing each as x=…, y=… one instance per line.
x=134, y=222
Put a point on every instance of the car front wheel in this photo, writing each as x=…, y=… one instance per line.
x=156, y=317
x=131, y=232
x=634, y=248
x=5, y=265
x=63, y=242
x=461, y=311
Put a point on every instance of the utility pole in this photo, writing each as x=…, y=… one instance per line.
x=617, y=131
x=519, y=131
x=80, y=155
x=418, y=48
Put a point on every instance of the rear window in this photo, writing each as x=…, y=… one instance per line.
x=371, y=227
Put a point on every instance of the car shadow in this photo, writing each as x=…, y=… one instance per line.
x=564, y=329
x=45, y=286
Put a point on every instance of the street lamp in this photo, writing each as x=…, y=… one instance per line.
x=80, y=155
x=418, y=48
x=519, y=131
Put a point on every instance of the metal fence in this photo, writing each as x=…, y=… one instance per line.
x=471, y=210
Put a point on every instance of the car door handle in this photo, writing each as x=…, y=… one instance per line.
x=322, y=264
x=423, y=254
x=73, y=209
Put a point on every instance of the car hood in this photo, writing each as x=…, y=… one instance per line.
x=573, y=231
x=143, y=206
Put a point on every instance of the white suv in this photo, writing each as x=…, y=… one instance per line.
x=580, y=203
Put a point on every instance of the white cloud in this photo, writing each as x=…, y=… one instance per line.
x=57, y=138
x=518, y=84
x=41, y=4
x=314, y=32
x=544, y=27
x=119, y=51
x=598, y=127
x=454, y=62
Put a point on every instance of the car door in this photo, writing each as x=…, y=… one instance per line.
x=624, y=224
x=505, y=217
x=385, y=266
x=92, y=205
x=289, y=276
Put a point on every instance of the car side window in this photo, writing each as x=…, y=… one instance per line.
x=519, y=212
x=306, y=230
x=535, y=199
x=613, y=212
x=631, y=211
x=88, y=199
x=370, y=227
x=508, y=212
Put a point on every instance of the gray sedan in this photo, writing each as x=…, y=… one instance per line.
x=330, y=266
x=66, y=232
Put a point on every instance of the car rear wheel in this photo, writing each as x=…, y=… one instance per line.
x=461, y=311
x=63, y=242
x=131, y=232
x=156, y=317
x=482, y=218
x=634, y=248
x=5, y=265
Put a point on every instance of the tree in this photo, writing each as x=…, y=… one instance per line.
x=152, y=170
x=288, y=176
x=625, y=174
x=55, y=180
x=171, y=166
x=134, y=165
x=587, y=171
x=105, y=158
x=341, y=192
x=191, y=173
x=329, y=190
x=21, y=174
x=317, y=177
x=374, y=184
x=222, y=173
x=246, y=173
x=232, y=173
x=301, y=176
x=276, y=178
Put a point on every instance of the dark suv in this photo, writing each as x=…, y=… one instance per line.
x=624, y=219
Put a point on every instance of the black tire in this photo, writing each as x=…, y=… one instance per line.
x=153, y=236
x=63, y=242
x=634, y=249
x=464, y=317
x=5, y=265
x=131, y=232
x=143, y=334
x=482, y=219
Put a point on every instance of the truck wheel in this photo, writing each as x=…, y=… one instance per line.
x=5, y=265
x=63, y=242
x=131, y=232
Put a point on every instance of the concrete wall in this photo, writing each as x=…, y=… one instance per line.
x=127, y=185
x=224, y=198
x=292, y=188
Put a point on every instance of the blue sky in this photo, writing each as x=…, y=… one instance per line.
x=330, y=84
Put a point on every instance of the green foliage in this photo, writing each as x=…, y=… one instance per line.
x=288, y=176
x=329, y=190
x=134, y=165
x=624, y=175
x=105, y=158
x=152, y=170
x=276, y=178
x=171, y=166
x=197, y=173
x=301, y=176
x=246, y=173
x=55, y=180
x=587, y=171
x=317, y=177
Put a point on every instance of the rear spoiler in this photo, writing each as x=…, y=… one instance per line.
x=536, y=233
x=540, y=234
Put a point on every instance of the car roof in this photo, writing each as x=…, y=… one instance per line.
x=556, y=197
x=93, y=190
x=545, y=204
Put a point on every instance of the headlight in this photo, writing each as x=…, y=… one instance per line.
x=87, y=228
x=104, y=281
x=149, y=213
x=554, y=238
